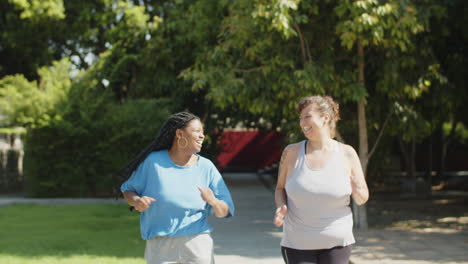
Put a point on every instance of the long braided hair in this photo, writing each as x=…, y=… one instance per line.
x=164, y=140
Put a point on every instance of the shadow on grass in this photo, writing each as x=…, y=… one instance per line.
x=64, y=230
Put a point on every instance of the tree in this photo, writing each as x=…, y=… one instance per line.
x=445, y=104
x=19, y=20
x=28, y=104
x=242, y=61
x=139, y=49
x=302, y=48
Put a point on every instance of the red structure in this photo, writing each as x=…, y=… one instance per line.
x=249, y=150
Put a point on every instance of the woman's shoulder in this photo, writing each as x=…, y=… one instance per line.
x=157, y=156
x=205, y=162
x=294, y=146
x=348, y=150
x=291, y=152
x=158, y=153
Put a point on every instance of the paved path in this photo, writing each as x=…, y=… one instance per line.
x=251, y=238
x=404, y=247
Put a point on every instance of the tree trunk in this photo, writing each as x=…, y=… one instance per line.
x=412, y=184
x=406, y=155
x=429, y=162
x=443, y=154
x=445, y=143
x=360, y=212
x=412, y=162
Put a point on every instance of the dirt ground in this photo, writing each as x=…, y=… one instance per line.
x=444, y=211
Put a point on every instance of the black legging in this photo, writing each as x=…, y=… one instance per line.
x=336, y=255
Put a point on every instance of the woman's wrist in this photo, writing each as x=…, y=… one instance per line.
x=134, y=200
x=221, y=209
x=215, y=202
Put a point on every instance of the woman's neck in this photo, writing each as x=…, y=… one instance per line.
x=182, y=158
x=321, y=143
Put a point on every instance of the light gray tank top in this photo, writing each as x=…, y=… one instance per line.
x=319, y=216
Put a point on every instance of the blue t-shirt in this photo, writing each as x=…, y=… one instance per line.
x=179, y=209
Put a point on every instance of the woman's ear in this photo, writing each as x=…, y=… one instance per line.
x=178, y=133
x=326, y=119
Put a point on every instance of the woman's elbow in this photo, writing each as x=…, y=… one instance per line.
x=222, y=214
x=362, y=199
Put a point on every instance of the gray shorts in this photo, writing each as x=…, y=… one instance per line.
x=196, y=249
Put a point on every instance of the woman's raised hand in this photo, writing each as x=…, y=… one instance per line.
x=207, y=195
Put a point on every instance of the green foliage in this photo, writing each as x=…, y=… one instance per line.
x=77, y=133
x=389, y=24
x=269, y=54
x=230, y=62
x=279, y=12
x=90, y=143
x=132, y=23
x=27, y=103
x=410, y=121
x=253, y=67
x=76, y=154
x=115, y=108
x=37, y=9
x=461, y=132
x=12, y=130
x=29, y=27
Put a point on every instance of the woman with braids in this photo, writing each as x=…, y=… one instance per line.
x=175, y=189
x=316, y=178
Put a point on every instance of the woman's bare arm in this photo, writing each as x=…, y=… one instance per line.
x=360, y=192
x=220, y=208
x=287, y=162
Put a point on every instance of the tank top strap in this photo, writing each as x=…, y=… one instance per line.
x=301, y=157
x=299, y=165
x=337, y=151
x=337, y=156
x=302, y=152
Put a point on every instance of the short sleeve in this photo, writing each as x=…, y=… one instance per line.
x=137, y=180
x=220, y=189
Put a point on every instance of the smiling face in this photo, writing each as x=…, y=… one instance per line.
x=193, y=133
x=312, y=122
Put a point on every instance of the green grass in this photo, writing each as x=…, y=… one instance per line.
x=70, y=234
